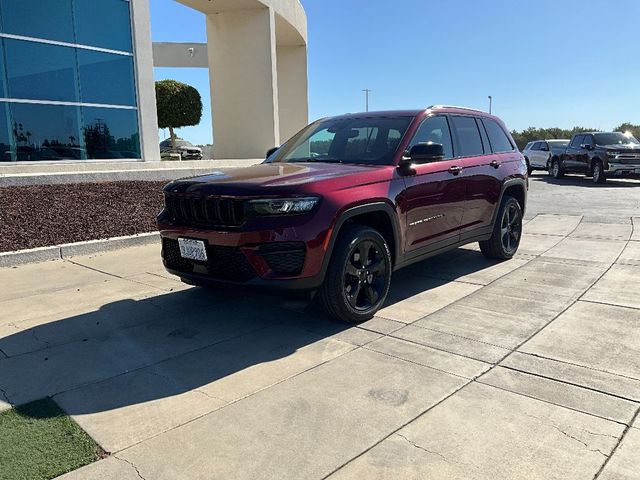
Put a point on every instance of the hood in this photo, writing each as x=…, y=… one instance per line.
x=279, y=178
x=621, y=148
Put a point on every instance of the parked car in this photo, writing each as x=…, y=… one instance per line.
x=186, y=149
x=348, y=201
x=538, y=153
x=599, y=155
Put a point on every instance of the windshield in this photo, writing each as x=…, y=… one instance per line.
x=616, y=138
x=365, y=141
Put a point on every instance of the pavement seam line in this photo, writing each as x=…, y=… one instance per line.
x=617, y=445
x=611, y=304
x=564, y=382
x=536, y=355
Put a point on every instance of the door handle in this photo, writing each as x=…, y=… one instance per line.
x=455, y=170
x=495, y=164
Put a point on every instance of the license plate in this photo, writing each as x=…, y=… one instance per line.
x=193, y=249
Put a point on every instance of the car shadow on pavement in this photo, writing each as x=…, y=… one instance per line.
x=131, y=352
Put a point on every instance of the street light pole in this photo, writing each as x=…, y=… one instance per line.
x=490, y=104
x=366, y=93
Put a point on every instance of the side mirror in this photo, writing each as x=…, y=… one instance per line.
x=271, y=151
x=426, y=153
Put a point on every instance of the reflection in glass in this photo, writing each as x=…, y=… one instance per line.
x=49, y=19
x=5, y=143
x=111, y=133
x=106, y=78
x=39, y=71
x=105, y=24
x=3, y=87
x=46, y=132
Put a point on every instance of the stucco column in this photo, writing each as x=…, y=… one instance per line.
x=147, y=111
x=292, y=90
x=244, y=89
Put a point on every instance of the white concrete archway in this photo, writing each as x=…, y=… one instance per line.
x=256, y=52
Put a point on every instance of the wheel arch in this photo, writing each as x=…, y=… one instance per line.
x=516, y=188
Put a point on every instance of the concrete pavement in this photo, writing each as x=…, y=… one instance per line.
x=525, y=369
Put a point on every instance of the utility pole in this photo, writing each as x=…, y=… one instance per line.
x=366, y=93
x=490, y=104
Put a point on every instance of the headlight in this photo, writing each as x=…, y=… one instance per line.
x=283, y=206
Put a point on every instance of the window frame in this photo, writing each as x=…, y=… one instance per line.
x=504, y=132
x=458, y=146
x=451, y=135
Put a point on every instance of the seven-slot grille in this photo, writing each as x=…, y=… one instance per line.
x=205, y=211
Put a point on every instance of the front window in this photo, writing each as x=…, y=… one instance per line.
x=365, y=141
x=616, y=138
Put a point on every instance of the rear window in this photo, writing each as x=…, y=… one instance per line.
x=468, y=136
x=498, y=138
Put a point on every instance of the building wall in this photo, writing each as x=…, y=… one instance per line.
x=68, y=88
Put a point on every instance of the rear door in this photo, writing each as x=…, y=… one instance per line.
x=435, y=194
x=534, y=158
x=485, y=172
x=582, y=160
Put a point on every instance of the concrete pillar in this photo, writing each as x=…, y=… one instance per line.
x=147, y=111
x=292, y=90
x=244, y=89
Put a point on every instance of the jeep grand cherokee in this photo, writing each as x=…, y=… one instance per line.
x=348, y=201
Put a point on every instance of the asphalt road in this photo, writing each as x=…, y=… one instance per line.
x=576, y=195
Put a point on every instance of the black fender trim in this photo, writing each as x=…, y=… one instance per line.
x=507, y=184
x=352, y=212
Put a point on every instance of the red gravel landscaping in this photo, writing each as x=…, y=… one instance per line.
x=45, y=215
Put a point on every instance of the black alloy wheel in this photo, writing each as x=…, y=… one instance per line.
x=359, y=275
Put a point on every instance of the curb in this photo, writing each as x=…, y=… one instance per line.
x=58, y=252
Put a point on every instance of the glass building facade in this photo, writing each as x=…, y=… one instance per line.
x=67, y=81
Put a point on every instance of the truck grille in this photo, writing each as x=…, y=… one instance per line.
x=225, y=263
x=628, y=158
x=205, y=211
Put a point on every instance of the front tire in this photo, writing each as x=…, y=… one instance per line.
x=556, y=171
x=507, y=231
x=599, y=177
x=359, y=275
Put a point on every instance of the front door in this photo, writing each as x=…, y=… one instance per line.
x=435, y=194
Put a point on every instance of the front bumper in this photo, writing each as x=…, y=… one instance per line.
x=623, y=170
x=269, y=257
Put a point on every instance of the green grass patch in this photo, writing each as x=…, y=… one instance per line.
x=38, y=441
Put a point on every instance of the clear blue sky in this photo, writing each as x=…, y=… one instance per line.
x=547, y=63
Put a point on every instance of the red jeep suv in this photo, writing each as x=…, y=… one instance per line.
x=346, y=202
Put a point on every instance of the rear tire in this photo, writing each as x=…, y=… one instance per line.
x=599, y=177
x=556, y=170
x=507, y=231
x=359, y=275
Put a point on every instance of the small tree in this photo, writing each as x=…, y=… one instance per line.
x=179, y=105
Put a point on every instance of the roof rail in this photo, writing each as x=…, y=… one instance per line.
x=454, y=106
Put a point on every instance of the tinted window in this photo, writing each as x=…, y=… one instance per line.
x=530, y=146
x=616, y=138
x=536, y=146
x=46, y=132
x=436, y=130
x=111, y=133
x=105, y=24
x=469, y=140
x=3, y=87
x=39, y=71
x=367, y=141
x=50, y=19
x=588, y=140
x=498, y=138
x=577, y=141
x=5, y=144
x=106, y=78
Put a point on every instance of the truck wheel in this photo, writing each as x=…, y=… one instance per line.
x=507, y=231
x=359, y=275
x=599, y=177
x=557, y=171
